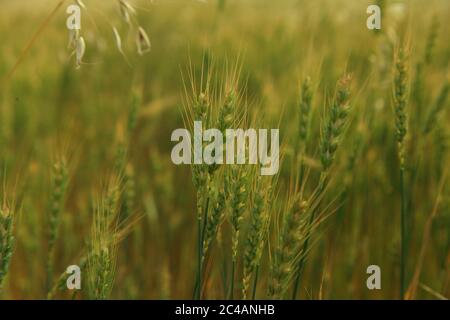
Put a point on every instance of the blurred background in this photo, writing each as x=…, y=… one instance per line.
x=73, y=141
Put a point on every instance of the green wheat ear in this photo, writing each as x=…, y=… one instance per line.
x=60, y=179
x=254, y=245
x=226, y=113
x=289, y=251
x=335, y=123
x=238, y=182
x=6, y=240
x=304, y=112
x=59, y=186
x=215, y=217
x=200, y=171
x=400, y=102
x=101, y=262
x=238, y=202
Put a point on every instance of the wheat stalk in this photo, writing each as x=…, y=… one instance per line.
x=59, y=186
x=332, y=134
x=254, y=245
x=400, y=101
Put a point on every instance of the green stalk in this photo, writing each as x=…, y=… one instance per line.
x=305, y=248
x=400, y=101
x=233, y=268
x=332, y=133
x=403, y=235
x=201, y=234
x=255, y=282
x=199, y=257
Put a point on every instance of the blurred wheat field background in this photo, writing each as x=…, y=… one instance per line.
x=87, y=177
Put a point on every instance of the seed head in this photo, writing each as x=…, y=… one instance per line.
x=335, y=123
x=126, y=10
x=143, y=42
x=217, y=200
x=6, y=240
x=400, y=100
x=305, y=110
x=79, y=51
x=118, y=40
x=226, y=115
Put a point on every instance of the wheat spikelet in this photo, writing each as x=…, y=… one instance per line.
x=400, y=100
x=335, y=123
x=289, y=250
x=7, y=240
x=304, y=112
x=254, y=244
x=101, y=262
x=59, y=187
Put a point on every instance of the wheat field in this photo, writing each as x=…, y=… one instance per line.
x=85, y=149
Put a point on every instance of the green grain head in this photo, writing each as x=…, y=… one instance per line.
x=59, y=186
x=6, y=240
x=400, y=102
x=335, y=123
x=305, y=112
x=259, y=222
